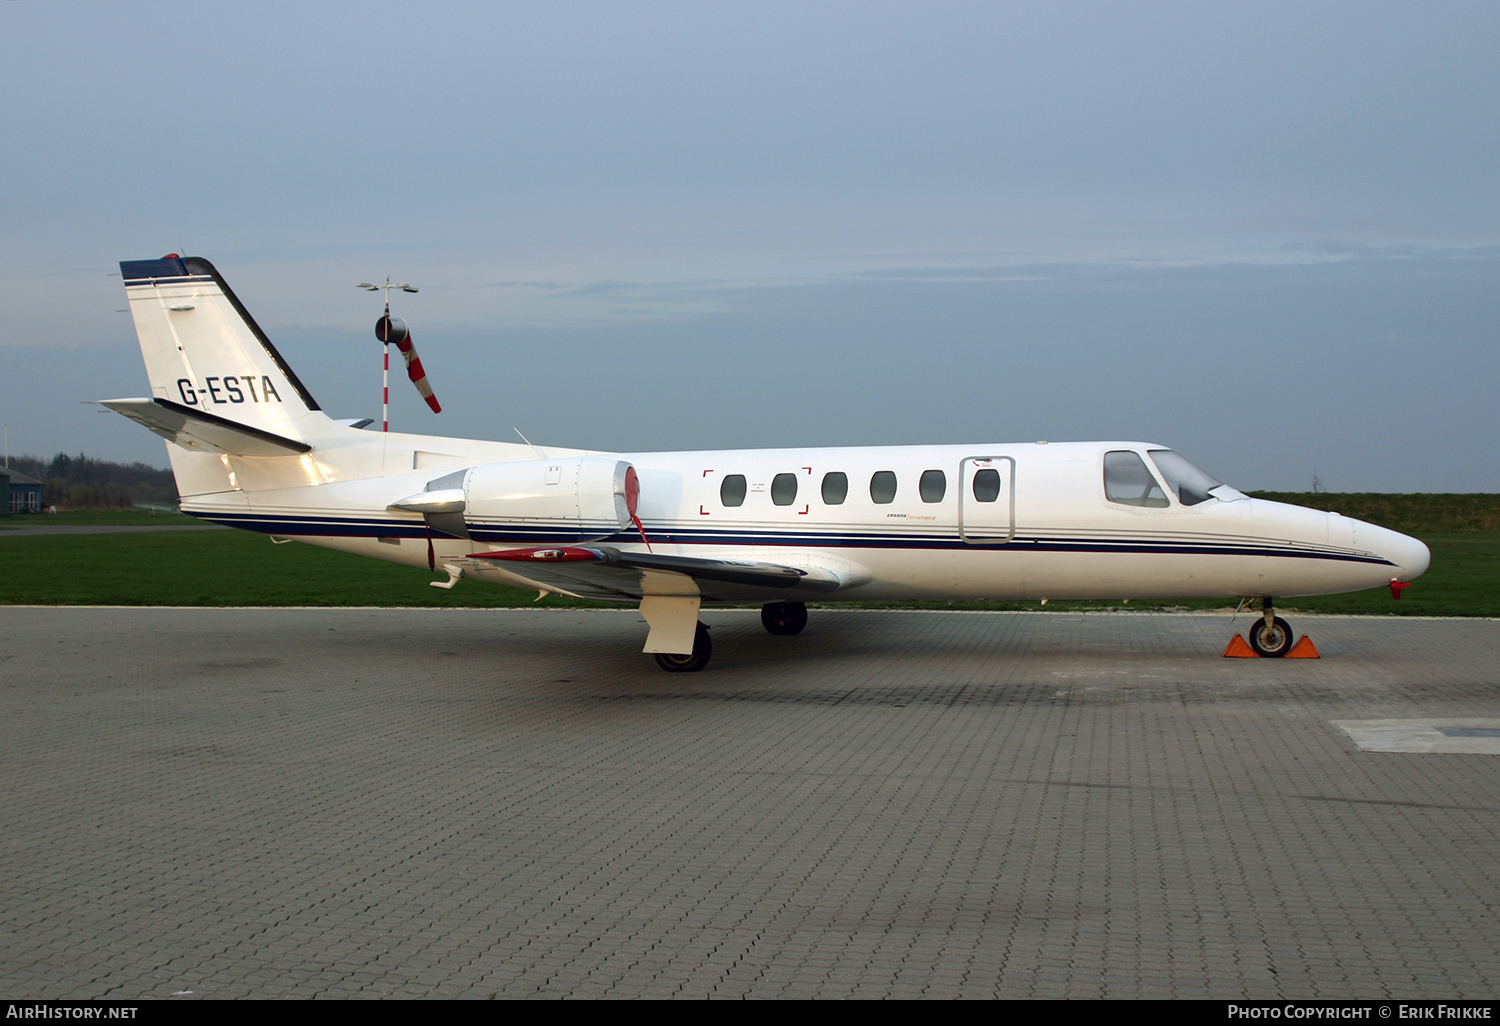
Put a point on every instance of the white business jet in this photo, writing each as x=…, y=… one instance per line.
x=674, y=531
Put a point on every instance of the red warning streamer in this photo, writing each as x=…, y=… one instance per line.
x=633, y=496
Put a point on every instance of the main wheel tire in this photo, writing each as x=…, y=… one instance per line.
x=703, y=650
x=784, y=617
x=1273, y=642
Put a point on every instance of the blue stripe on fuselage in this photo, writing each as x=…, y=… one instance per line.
x=358, y=527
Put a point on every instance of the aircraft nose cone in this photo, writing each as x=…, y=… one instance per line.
x=1410, y=556
x=1415, y=558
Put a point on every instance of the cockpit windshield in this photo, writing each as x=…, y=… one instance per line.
x=1128, y=481
x=1190, y=484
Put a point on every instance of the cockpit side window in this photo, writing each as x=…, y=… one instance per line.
x=1128, y=481
x=1191, y=484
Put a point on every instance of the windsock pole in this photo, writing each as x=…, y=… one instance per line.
x=392, y=331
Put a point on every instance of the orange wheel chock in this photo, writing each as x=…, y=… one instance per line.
x=1303, y=649
x=1239, y=650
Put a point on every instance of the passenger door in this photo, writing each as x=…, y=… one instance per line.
x=987, y=500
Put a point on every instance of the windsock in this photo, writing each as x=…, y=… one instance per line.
x=393, y=329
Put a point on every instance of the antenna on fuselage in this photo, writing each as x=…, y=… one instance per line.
x=539, y=453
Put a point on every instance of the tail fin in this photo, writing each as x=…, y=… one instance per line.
x=208, y=361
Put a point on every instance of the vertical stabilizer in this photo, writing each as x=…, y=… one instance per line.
x=205, y=355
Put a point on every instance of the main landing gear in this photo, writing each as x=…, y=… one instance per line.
x=1271, y=637
x=703, y=650
x=784, y=617
x=778, y=618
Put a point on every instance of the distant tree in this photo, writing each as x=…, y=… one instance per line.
x=82, y=482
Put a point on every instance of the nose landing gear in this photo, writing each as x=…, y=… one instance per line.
x=1271, y=637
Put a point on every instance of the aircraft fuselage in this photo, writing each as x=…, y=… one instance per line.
x=1048, y=531
x=674, y=531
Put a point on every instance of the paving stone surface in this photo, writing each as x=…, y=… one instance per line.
x=517, y=803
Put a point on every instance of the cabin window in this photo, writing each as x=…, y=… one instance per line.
x=784, y=489
x=1191, y=484
x=883, y=486
x=835, y=488
x=987, y=484
x=933, y=486
x=1127, y=481
x=732, y=491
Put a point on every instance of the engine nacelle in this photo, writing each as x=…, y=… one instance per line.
x=583, y=497
x=590, y=494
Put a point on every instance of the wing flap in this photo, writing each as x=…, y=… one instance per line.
x=602, y=571
x=197, y=430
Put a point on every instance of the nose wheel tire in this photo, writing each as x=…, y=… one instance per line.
x=1274, y=641
x=783, y=617
x=703, y=650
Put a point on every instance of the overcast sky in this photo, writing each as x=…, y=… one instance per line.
x=1265, y=234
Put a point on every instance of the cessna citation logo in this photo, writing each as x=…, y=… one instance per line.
x=228, y=390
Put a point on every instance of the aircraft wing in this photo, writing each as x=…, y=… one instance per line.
x=195, y=429
x=605, y=572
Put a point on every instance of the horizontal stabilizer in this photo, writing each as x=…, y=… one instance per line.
x=204, y=432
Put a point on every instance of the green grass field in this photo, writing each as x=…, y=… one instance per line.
x=235, y=568
x=87, y=517
x=219, y=568
x=1414, y=513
